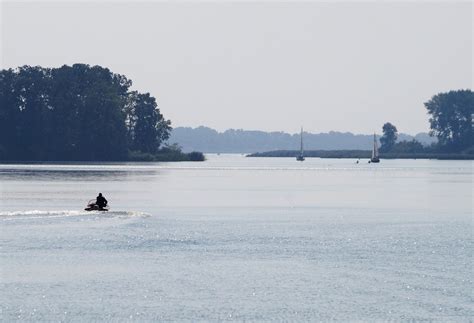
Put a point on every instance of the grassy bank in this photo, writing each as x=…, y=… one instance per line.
x=363, y=154
x=166, y=155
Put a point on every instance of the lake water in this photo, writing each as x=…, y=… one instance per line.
x=237, y=238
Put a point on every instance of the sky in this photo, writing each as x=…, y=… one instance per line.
x=272, y=66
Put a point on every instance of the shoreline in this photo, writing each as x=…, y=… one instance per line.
x=362, y=154
x=169, y=156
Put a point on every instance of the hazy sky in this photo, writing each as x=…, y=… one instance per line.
x=341, y=66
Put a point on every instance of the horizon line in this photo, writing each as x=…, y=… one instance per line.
x=298, y=133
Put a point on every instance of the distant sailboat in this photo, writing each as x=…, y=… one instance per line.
x=300, y=157
x=375, y=152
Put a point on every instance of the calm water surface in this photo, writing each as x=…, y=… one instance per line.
x=237, y=238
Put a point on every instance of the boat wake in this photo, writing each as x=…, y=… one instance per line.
x=46, y=214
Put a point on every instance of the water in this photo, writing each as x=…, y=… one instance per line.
x=237, y=238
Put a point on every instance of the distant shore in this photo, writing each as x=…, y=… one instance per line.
x=361, y=154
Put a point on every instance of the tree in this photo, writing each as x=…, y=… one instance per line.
x=8, y=112
x=77, y=112
x=147, y=128
x=88, y=119
x=451, y=119
x=34, y=123
x=25, y=114
x=389, y=137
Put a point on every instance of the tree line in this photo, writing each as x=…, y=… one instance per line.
x=244, y=141
x=77, y=112
x=83, y=112
x=450, y=122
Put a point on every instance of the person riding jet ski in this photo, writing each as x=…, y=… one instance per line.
x=101, y=202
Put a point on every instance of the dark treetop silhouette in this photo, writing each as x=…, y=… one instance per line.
x=78, y=112
x=451, y=120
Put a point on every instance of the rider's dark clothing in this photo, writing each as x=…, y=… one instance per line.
x=101, y=201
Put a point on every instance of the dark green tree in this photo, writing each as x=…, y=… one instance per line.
x=389, y=137
x=89, y=122
x=451, y=119
x=77, y=112
x=25, y=112
x=147, y=129
x=35, y=117
x=8, y=112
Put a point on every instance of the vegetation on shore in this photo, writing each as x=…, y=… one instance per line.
x=88, y=113
x=450, y=121
x=315, y=153
x=80, y=113
x=361, y=154
x=167, y=153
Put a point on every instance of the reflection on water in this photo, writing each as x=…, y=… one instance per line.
x=72, y=175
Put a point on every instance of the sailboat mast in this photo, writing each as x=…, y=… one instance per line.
x=300, y=157
x=301, y=146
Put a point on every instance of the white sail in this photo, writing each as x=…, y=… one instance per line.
x=375, y=150
x=300, y=157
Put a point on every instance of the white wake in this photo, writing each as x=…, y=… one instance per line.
x=39, y=214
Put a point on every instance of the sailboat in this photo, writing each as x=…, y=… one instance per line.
x=300, y=157
x=375, y=152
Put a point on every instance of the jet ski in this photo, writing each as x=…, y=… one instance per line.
x=91, y=206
